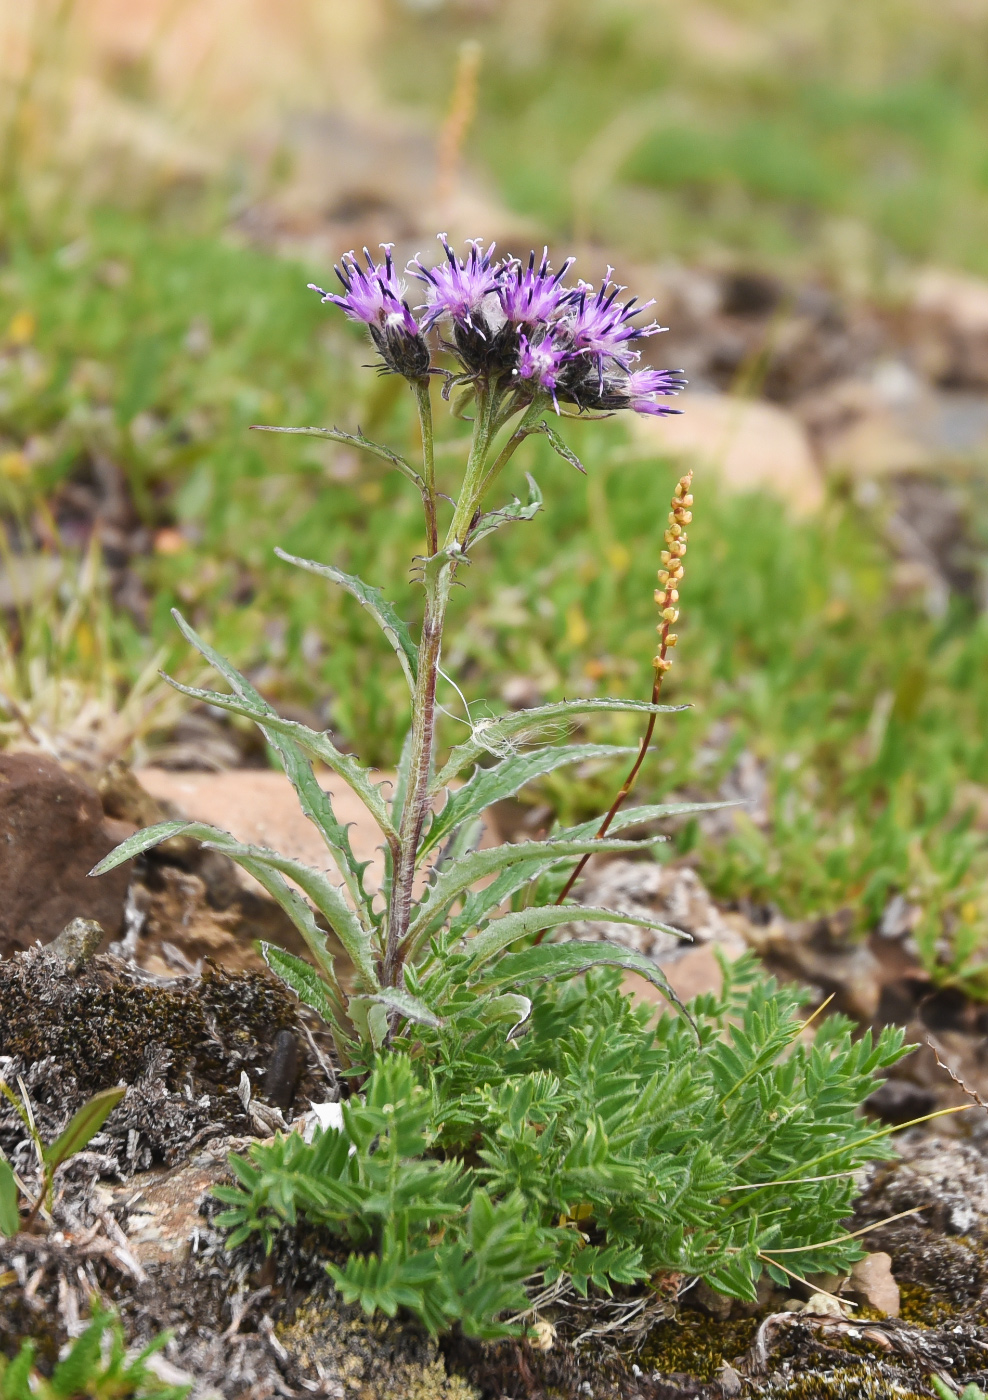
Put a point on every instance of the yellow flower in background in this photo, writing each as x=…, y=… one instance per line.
x=14, y=466
x=22, y=327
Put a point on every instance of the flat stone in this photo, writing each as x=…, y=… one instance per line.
x=872, y=1282
x=52, y=833
x=750, y=445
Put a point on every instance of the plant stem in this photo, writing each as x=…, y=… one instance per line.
x=470, y=492
x=525, y=429
x=438, y=582
x=423, y=400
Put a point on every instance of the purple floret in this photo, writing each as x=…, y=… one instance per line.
x=545, y=361
x=642, y=386
x=374, y=295
x=602, y=326
x=533, y=294
x=456, y=289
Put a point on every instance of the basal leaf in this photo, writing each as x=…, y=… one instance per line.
x=488, y=785
x=504, y=931
x=83, y=1126
x=383, y=612
x=317, y=745
x=305, y=982
x=468, y=869
x=314, y=801
x=397, y=999
x=551, y=961
x=511, y=1007
x=138, y=843
x=495, y=736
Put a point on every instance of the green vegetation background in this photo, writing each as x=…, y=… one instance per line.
x=856, y=146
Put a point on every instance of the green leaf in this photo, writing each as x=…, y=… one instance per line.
x=488, y=785
x=83, y=1126
x=10, y=1216
x=552, y=961
x=468, y=869
x=397, y=999
x=494, y=519
x=383, y=612
x=511, y=1007
x=637, y=816
x=306, y=983
x=560, y=447
x=138, y=843
x=502, y=932
x=494, y=736
x=352, y=440
x=317, y=745
x=268, y=867
x=315, y=802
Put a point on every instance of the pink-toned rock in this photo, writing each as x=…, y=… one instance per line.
x=751, y=445
x=259, y=806
x=872, y=1282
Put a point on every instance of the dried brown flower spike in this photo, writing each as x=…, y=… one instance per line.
x=667, y=598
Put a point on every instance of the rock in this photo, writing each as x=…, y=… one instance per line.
x=871, y=1282
x=754, y=446
x=77, y=943
x=950, y=326
x=708, y=1300
x=52, y=833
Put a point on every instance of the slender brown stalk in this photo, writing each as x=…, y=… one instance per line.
x=667, y=598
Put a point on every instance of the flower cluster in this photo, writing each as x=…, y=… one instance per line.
x=671, y=573
x=513, y=325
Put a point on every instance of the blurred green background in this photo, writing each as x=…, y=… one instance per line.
x=171, y=176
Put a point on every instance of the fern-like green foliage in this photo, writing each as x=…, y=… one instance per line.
x=603, y=1145
x=97, y=1365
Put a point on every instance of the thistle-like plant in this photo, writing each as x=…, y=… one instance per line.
x=514, y=347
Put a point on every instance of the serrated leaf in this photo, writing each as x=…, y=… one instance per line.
x=83, y=1125
x=493, y=520
x=552, y=961
x=315, y=802
x=559, y=446
x=10, y=1216
x=140, y=842
x=493, y=736
x=317, y=745
x=488, y=785
x=397, y=999
x=637, y=816
x=468, y=869
x=305, y=982
x=352, y=440
x=383, y=612
x=502, y=932
x=268, y=867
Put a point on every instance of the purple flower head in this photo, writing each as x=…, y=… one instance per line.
x=375, y=296
x=543, y=361
x=533, y=294
x=602, y=326
x=454, y=288
x=643, y=385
